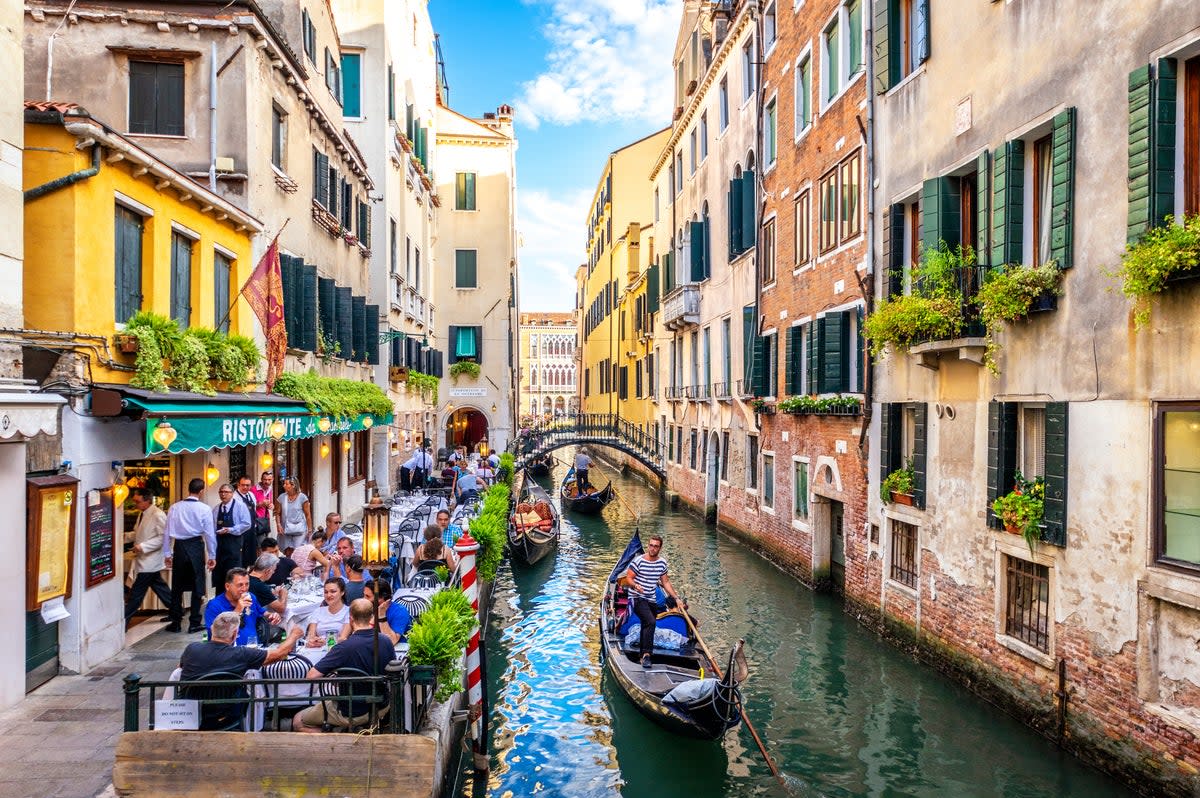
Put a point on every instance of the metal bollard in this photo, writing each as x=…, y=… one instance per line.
x=132, y=683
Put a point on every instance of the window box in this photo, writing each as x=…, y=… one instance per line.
x=763, y=407
x=902, y=498
x=126, y=343
x=1045, y=302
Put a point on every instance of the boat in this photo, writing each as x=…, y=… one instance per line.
x=592, y=501
x=674, y=691
x=533, y=525
x=539, y=467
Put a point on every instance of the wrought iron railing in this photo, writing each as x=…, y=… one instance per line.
x=602, y=428
x=967, y=281
x=720, y=390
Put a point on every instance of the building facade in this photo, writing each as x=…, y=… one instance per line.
x=547, y=366
x=1014, y=170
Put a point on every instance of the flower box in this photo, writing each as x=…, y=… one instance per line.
x=127, y=344
x=422, y=674
x=1046, y=302
x=902, y=498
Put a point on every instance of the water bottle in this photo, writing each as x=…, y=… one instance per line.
x=329, y=642
x=204, y=636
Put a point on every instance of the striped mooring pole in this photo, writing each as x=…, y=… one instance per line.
x=467, y=547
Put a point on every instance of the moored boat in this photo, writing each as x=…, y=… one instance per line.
x=539, y=467
x=591, y=500
x=533, y=526
x=674, y=691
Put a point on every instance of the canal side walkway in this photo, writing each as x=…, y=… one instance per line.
x=60, y=741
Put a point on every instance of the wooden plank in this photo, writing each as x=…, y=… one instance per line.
x=270, y=764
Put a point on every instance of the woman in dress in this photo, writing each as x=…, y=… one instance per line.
x=308, y=556
x=293, y=514
x=333, y=617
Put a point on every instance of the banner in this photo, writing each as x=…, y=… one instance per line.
x=264, y=292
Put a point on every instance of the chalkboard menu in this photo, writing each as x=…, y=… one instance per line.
x=101, y=538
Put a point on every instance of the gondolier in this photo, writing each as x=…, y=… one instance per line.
x=583, y=464
x=646, y=573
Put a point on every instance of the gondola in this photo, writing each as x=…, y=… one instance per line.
x=674, y=691
x=539, y=467
x=592, y=501
x=533, y=525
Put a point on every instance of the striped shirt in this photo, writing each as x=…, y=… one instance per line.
x=646, y=574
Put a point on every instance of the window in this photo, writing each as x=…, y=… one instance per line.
x=695, y=353
x=391, y=90
x=416, y=275
x=278, y=137
x=181, y=279
x=703, y=136
x=657, y=214
x=671, y=181
x=901, y=40
x=1177, y=483
x=352, y=85
x=725, y=455
x=465, y=268
x=901, y=440
x=692, y=153
x=670, y=442
x=723, y=103
x=465, y=344
x=840, y=211
x=356, y=457
x=904, y=554
x=768, y=474
x=854, y=36
x=767, y=262
x=770, y=134
x=747, y=70
x=127, y=263
x=678, y=172
x=706, y=359
x=464, y=191
x=1030, y=436
x=802, y=246
x=394, y=254
x=333, y=80
x=751, y=462
x=799, y=490
x=1027, y=602
x=726, y=357
x=1043, y=200
x=831, y=67
x=769, y=353
x=693, y=449
x=769, y=29
x=803, y=95
x=679, y=444
x=309, y=35
x=222, y=274
x=156, y=98
x=1032, y=441
x=910, y=34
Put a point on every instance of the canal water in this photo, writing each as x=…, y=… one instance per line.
x=842, y=712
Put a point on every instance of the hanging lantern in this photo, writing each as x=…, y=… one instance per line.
x=324, y=449
x=367, y=422
x=346, y=444
x=120, y=493
x=211, y=474
x=164, y=434
x=324, y=424
x=267, y=460
x=375, y=536
x=277, y=429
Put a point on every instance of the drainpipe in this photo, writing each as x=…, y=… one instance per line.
x=212, y=119
x=759, y=193
x=867, y=284
x=66, y=180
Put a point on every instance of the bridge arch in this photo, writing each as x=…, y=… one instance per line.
x=589, y=429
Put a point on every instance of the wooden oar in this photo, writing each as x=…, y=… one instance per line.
x=636, y=515
x=741, y=709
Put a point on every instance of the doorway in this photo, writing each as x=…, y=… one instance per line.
x=467, y=427
x=712, y=470
x=837, y=547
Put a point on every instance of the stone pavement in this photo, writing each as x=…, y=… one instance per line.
x=59, y=742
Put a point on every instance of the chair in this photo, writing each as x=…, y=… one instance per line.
x=222, y=707
x=424, y=576
x=353, y=699
x=352, y=529
x=410, y=528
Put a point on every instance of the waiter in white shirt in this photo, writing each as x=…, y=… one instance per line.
x=232, y=520
x=415, y=472
x=148, y=554
x=191, y=536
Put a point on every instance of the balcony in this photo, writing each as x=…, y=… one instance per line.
x=681, y=308
x=414, y=306
x=720, y=391
x=970, y=343
x=673, y=393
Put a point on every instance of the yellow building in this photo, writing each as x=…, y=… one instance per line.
x=615, y=305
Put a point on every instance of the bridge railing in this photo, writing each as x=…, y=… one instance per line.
x=595, y=427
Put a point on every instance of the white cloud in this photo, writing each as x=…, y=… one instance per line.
x=608, y=59
x=551, y=227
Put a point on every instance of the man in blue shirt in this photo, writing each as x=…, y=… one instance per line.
x=238, y=598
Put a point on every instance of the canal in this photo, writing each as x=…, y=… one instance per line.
x=843, y=713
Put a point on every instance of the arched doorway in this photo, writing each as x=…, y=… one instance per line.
x=712, y=471
x=466, y=427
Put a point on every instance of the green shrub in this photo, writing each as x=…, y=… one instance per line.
x=422, y=383
x=148, y=368
x=932, y=311
x=189, y=367
x=1007, y=295
x=334, y=396
x=467, y=367
x=1163, y=252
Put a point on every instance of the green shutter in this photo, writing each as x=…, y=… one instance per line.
x=1063, y=189
x=287, y=281
x=452, y=344
x=941, y=212
x=810, y=350
x=1008, y=189
x=1055, y=516
x=1002, y=454
x=652, y=287
x=749, y=208
x=326, y=312
x=792, y=347
x=890, y=430
x=1140, y=179
x=735, y=217
x=983, y=207
x=308, y=308
x=478, y=332
x=345, y=320
x=696, y=231
x=1163, y=161
x=749, y=327
x=920, y=455
x=893, y=250
x=833, y=331
x=373, y=334
x=883, y=57
x=858, y=351
x=358, y=335
x=669, y=273
x=465, y=268
x=761, y=378
x=707, y=224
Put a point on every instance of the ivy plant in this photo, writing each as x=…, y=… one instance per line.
x=934, y=308
x=468, y=367
x=1165, y=252
x=423, y=382
x=334, y=396
x=189, y=366
x=148, y=368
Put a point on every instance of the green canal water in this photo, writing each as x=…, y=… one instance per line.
x=842, y=713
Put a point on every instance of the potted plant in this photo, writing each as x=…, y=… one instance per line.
x=762, y=406
x=932, y=311
x=1010, y=293
x=1165, y=254
x=1022, y=509
x=127, y=343
x=468, y=367
x=897, y=486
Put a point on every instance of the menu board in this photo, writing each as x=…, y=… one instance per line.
x=50, y=536
x=101, y=538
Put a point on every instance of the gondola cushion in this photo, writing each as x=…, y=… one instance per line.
x=691, y=692
x=663, y=638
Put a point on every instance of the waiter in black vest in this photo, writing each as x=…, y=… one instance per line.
x=249, y=538
x=232, y=521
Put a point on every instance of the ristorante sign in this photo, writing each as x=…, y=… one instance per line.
x=197, y=433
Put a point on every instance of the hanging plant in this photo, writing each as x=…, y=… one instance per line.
x=165, y=330
x=933, y=311
x=334, y=396
x=189, y=367
x=148, y=374
x=423, y=382
x=470, y=368
x=1165, y=253
x=1008, y=294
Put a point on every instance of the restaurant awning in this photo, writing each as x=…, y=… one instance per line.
x=216, y=422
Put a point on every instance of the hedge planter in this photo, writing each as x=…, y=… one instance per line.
x=1046, y=302
x=902, y=498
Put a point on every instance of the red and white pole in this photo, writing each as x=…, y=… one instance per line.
x=467, y=547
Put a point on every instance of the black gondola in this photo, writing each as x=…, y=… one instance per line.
x=539, y=467
x=592, y=501
x=673, y=691
x=530, y=540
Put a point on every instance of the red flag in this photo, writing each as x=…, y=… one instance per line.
x=264, y=292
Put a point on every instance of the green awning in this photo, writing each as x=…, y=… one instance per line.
x=221, y=424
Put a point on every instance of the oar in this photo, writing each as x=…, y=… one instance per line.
x=636, y=515
x=741, y=709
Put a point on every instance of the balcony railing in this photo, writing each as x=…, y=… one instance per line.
x=969, y=343
x=673, y=392
x=681, y=307
x=414, y=305
x=720, y=390
x=701, y=392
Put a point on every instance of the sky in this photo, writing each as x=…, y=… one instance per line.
x=585, y=77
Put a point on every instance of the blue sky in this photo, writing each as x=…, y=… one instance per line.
x=585, y=77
